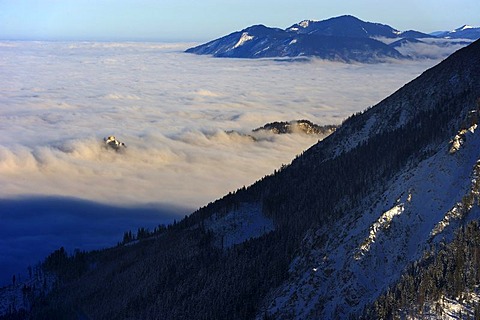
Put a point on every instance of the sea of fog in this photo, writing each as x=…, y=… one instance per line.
x=59, y=185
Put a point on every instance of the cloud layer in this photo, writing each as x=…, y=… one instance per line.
x=58, y=101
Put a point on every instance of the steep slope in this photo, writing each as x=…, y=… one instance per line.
x=328, y=234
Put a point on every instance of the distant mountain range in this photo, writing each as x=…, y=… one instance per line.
x=345, y=38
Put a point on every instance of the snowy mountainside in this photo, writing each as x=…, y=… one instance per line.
x=368, y=249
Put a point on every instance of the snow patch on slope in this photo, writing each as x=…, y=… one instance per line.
x=382, y=223
x=243, y=38
x=459, y=139
x=238, y=225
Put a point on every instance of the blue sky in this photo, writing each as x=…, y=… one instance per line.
x=200, y=20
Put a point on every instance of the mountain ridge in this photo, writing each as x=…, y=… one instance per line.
x=346, y=26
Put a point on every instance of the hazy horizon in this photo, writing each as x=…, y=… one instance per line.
x=183, y=20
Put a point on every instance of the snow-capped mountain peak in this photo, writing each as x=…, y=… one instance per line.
x=464, y=27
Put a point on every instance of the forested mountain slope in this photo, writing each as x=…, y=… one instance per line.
x=329, y=233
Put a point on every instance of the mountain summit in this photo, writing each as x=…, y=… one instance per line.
x=344, y=26
x=322, y=238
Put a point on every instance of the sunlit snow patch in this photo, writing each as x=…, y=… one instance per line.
x=382, y=223
x=469, y=126
x=244, y=38
x=459, y=139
